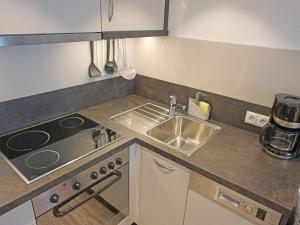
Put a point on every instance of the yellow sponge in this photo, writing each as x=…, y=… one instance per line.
x=205, y=107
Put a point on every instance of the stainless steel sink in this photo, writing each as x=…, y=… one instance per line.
x=184, y=133
x=142, y=118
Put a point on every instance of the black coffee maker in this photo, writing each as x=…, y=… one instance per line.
x=280, y=137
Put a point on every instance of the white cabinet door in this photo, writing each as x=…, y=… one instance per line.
x=203, y=211
x=44, y=16
x=133, y=15
x=164, y=186
x=21, y=215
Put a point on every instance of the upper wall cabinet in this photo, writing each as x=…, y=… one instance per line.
x=133, y=15
x=44, y=16
x=44, y=21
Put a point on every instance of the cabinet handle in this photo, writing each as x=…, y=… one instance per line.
x=224, y=197
x=170, y=169
x=111, y=10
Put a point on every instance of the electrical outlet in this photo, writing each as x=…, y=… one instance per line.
x=262, y=120
x=251, y=118
x=256, y=119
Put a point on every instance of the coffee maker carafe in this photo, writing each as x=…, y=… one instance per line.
x=280, y=136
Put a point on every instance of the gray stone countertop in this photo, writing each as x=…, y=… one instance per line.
x=233, y=158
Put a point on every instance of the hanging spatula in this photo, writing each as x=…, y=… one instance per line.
x=109, y=64
x=93, y=69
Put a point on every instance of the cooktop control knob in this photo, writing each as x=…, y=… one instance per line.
x=103, y=170
x=119, y=161
x=248, y=209
x=54, y=198
x=111, y=165
x=94, y=175
x=76, y=186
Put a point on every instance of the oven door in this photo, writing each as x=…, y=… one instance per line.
x=106, y=203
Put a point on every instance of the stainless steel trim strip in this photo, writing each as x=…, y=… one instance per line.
x=32, y=39
x=285, y=123
x=132, y=34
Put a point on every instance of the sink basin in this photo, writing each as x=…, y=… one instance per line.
x=184, y=133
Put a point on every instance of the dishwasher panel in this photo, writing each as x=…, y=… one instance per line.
x=210, y=203
x=203, y=211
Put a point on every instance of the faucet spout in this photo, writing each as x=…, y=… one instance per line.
x=173, y=105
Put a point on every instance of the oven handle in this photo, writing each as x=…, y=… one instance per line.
x=58, y=213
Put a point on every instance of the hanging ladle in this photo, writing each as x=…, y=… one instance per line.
x=126, y=70
x=93, y=69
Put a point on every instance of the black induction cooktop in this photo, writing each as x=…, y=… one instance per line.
x=39, y=150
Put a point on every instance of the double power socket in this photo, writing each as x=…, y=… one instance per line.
x=256, y=119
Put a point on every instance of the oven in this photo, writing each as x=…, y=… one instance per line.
x=96, y=196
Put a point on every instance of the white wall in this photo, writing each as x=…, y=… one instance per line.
x=248, y=50
x=34, y=69
x=252, y=74
x=267, y=23
x=28, y=70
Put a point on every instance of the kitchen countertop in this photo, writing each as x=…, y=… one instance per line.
x=233, y=158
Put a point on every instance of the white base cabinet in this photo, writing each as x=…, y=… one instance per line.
x=163, y=190
x=21, y=215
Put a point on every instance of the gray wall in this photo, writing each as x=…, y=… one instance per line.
x=23, y=112
x=224, y=109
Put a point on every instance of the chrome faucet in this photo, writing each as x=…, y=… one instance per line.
x=173, y=105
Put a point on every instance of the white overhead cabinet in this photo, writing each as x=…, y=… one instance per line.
x=44, y=16
x=132, y=15
x=163, y=190
x=56, y=21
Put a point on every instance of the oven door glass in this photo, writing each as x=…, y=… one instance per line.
x=109, y=207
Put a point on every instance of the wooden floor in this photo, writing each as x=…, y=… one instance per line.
x=90, y=213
